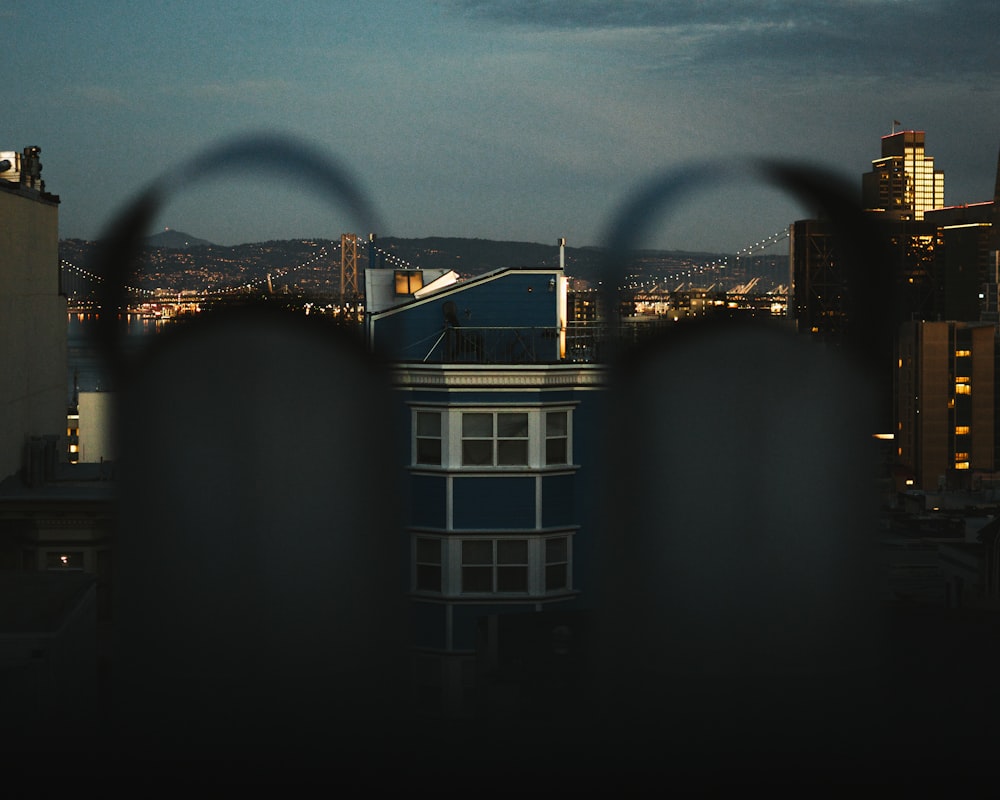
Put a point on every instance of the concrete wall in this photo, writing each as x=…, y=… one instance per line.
x=96, y=426
x=33, y=395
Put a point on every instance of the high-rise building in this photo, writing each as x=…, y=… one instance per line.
x=946, y=400
x=946, y=362
x=901, y=188
x=903, y=182
x=922, y=272
x=965, y=260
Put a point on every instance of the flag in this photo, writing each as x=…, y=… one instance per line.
x=896, y=122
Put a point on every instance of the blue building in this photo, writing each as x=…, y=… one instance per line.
x=497, y=456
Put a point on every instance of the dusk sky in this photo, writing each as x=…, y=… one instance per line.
x=516, y=120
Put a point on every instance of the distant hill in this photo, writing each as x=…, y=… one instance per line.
x=475, y=256
x=177, y=260
x=176, y=240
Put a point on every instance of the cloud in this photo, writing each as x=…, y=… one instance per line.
x=896, y=39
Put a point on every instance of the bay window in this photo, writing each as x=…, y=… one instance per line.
x=427, y=426
x=480, y=439
x=505, y=566
x=494, y=438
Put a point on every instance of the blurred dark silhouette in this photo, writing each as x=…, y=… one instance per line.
x=739, y=633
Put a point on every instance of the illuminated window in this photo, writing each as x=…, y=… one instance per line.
x=409, y=280
x=963, y=388
x=962, y=353
x=961, y=456
x=961, y=465
x=64, y=560
x=961, y=430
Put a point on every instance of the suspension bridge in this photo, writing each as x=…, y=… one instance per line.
x=331, y=270
x=82, y=284
x=740, y=273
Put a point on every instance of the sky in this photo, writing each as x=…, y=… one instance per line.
x=520, y=120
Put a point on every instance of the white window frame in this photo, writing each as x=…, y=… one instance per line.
x=453, y=565
x=417, y=437
x=496, y=438
x=566, y=562
x=498, y=565
x=566, y=435
x=419, y=562
x=452, y=437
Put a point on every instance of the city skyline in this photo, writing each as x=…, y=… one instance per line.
x=516, y=521
x=501, y=121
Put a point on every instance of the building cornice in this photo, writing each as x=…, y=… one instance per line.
x=528, y=376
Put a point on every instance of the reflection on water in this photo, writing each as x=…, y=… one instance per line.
x=86, y=372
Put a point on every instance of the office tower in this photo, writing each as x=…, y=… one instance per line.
x=918, y=270
x=946, y=431
x=500, y=432
x=903, y=182
x=819, y=290
x=968, y=241
x=965, y=260
x=945, y=393
x=901, y=187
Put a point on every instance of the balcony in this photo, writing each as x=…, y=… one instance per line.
x=495, y=345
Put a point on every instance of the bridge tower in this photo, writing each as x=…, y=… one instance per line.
x=349, y=268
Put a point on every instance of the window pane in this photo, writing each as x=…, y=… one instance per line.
x=428, y=451
x=555, y=423
x=428, y=423
x=428, y=578
x=477, y=551
x=512, y=552
x=480, y=425
x=555, y=577
x=556, y=549
x=555, y=451
x=477, y=453
x=477, y=579
x=512, y=425
x=512, y=579
x=429, y=551
x=515, y=452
